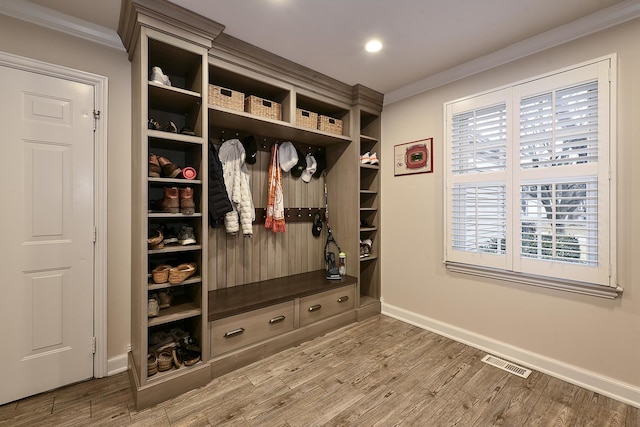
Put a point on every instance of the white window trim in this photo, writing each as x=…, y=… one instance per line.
x=614, y=289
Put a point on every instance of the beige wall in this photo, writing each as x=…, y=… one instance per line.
x=589, y=333
x=20, y=38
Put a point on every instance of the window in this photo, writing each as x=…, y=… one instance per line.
x=528, y=193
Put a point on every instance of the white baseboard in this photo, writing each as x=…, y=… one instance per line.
x=600, y=384
x=117, y=364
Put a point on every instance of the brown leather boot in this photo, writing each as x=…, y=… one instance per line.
x=154, y=166
x=187, y=205
x=169, y=169
x=170, y=202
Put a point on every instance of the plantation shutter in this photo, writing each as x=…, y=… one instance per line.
x=527, y=183
x=477, y=200
x=561, y=176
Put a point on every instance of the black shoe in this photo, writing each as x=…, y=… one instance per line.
x=170, y=127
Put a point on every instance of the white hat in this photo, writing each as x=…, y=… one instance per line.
x=311, y=168
x=287, y=156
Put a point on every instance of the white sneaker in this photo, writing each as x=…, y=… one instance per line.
x=373, y=159
x=157, y=76
x=365, y=158
x=367, y=243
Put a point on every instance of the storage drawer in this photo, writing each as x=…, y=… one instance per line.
x=247, y=328
x=327, y=304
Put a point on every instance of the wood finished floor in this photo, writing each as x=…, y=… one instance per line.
x=379, y=372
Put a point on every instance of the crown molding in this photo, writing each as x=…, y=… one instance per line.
x=54, y=20
x=606, y=18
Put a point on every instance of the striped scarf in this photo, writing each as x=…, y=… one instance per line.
x=275, y=201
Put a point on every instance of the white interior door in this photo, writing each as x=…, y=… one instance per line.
x=47, y=220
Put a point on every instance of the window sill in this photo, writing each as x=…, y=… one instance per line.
x=545, y=282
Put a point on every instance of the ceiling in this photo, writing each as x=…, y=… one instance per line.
x=421, y=38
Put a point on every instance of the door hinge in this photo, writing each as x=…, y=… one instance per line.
x=96, y=117
x=93, y=345
x=95, y=234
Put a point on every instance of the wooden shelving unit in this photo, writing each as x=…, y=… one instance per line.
x=194, y=53
x=369, y=131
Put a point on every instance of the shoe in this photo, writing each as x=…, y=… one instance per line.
x=187, y=205
x=156, y=239
x=160, y=274
x=165, y=360
x=154, y=166
x=181, y=273
x=187, y=131
x=152, y=307
x=153, y=124
x=157, y=76
x=164, y=299
x=170, y=202
x=364, y=224
x=169, y=169
x=365, y=158
x=186, y=236
x=170, y=127
x=367, y=246
x=152, y=364
x=170, y=235
x=373, y=159
x=187, y=351
x=362, y=249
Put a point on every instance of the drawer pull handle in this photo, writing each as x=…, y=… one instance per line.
x=234, y=332
x=343, y=299
x=315, y=307
x=276, y=319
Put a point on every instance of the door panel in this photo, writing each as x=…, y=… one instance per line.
x=46, y=260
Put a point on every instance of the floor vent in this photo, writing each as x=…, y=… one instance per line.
x=507, y=366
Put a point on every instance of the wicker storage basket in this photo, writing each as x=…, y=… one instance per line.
x=307, y=119
x=227, y=98
x=263, y=107
x=329, y=124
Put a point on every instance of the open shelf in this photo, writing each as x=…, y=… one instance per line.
x=273, y=128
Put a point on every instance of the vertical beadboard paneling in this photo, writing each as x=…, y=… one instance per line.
x=236, y=260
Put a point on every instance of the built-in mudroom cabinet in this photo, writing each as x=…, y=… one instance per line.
x=206, y=301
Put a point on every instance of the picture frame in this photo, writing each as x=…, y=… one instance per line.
x=413, y=157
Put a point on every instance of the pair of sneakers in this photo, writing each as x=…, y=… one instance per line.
x=365, y=247
x=157, y=76
x=369, y=159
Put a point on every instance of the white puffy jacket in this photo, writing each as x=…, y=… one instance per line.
x=237, y=181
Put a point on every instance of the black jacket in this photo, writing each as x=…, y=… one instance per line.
x=219, y=203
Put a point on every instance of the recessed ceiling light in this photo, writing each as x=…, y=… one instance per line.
x=373, y=46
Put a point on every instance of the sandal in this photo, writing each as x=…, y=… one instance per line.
x=165, y=360
x=160, y=274
x=156, y=240
x=152, y=364
x=181, y=273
